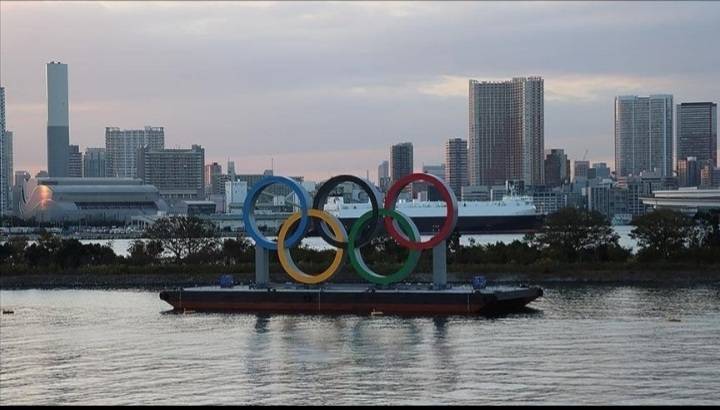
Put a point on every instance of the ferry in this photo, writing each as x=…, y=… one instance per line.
x=512, y=214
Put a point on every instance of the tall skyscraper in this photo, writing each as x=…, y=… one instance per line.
x=456, y=167
x=3, y=179
x=557, y=170
x=506, y=131
x=94, y=163
x=697, y=132
x=689, y=171
x=74, y=162
x=7, y=163
x=58, y=122
x=121, y=147
x=644, y=135
x=401, y=160
x=176, y=173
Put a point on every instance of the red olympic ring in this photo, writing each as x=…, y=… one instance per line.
x=447, y=195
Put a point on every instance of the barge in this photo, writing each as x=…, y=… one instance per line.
x=352, y=299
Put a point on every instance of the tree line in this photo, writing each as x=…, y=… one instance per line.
x=570, y=236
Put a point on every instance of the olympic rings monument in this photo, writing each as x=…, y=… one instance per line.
x=312, y=292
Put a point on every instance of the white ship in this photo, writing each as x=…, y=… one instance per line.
x=511, y=214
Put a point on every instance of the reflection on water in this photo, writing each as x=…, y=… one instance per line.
x=591, y=344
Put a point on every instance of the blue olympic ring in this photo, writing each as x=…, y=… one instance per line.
x=249, y=211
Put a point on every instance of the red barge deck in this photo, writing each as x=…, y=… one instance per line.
x=353, y=299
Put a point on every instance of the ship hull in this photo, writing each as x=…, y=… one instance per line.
x=351, y=300
x=428, y=225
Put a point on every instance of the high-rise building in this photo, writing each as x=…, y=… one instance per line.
x=709, y=176
x=697, y=132
x=121, y=148
x=231, y=169
x=74, y=161
x=506, y=138
x=401, y=160
x=644, y=134
x=580, y=169
x=211, y=171
x=7, y=164
x=456, y=167
x=557, y=170
x=3, y=188
x=688, y=171
x=601, y=170
x=432, y=193
x=176, y=173
x=94, y=163
x=58, y=121
x=383, y=176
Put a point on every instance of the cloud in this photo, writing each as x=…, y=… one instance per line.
x=254, y=78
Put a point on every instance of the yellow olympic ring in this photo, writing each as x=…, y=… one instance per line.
x=284, y=252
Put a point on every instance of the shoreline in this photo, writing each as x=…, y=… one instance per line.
x=159, y=281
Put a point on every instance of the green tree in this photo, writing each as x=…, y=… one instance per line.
x=237, y=250
x=664, y=234
x=575, y=235
x=143, y=252
x=185, y=237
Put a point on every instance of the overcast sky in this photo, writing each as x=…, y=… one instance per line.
x=325, y=88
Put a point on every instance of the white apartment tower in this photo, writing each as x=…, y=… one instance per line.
x=121, y=149
x=644, y=135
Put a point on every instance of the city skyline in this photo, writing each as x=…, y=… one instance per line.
x=229, y=102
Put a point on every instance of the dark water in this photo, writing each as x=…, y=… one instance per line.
x=592, y=345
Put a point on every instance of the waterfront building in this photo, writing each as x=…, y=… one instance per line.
x=456, y=167
x=58, y=121
x=57, y=200
x=432, y=194
x=401, y=160
x=557, y=168
x=177, y=173
x=644, y=185
x=580, y=169
x=644, y=135
x=601, y=170
x=235, y=194
x=697, y=132
x=688, y=200
x=121, y=149
x=383, y=180
x=211, y=170
x=217, y=187
x=94, y=165
x=506, y=131
x=231, y=169
x=74, y=162
x=688, y=172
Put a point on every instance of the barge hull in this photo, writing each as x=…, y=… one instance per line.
x=349, y=301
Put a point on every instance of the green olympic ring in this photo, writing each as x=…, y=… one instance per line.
x=356, y=259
